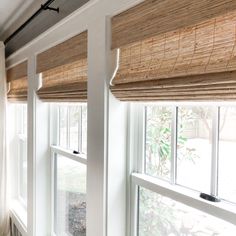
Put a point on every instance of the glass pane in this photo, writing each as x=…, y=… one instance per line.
x=23, y=169
x=161, y=216
x=227, y=156
x=63, y=126
x=74, y=115
x=194, y=147
x=158, y=141
x=70, y=197
x=84, y=129
x=21, y=117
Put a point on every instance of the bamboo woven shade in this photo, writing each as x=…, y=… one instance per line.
x=18, y=83
x=163, y=61
x=155, y=17
x=64, y=71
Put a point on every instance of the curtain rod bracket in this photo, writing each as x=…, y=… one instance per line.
x=42, y=8
x=50, y=8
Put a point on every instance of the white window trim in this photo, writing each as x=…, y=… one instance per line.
x=223, y=210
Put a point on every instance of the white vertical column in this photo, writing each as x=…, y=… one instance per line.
x=117, y=153
x=31, y=148
x=38, y=158
x=4, y=197
x=43, y=169
x=116, y=165
x=97, y=128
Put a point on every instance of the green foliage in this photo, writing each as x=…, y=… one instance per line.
x=155, y=216
x=158, y=139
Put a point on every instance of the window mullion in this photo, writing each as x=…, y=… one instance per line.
x=215, y=153
x=21, y=119
x=54, y=190
x=141, y=138
x=174, y=145
x=59, y=125
x=68, y=128
x=80, y=133
x=18, y=166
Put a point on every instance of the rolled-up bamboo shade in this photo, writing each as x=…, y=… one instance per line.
x=172, y=62
x=18, y=83
x=64, y=71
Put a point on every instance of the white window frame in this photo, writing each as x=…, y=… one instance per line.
x=65, y=152
x=223, y=210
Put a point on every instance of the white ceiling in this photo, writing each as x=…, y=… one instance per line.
x=12, y=11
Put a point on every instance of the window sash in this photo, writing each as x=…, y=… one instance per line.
x=174, y=140
x=223, y=210
x=57, y=150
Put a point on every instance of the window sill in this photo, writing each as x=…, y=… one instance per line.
x=18, y=215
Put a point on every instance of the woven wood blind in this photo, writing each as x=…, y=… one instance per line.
x=64, y=70
x=18, y=83
x=187, y=54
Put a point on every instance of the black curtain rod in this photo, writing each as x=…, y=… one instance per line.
x=43, y=7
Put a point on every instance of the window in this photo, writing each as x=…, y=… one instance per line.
x=73, y=127
x=183, y=150
x=21, y=140
x=69, y=168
